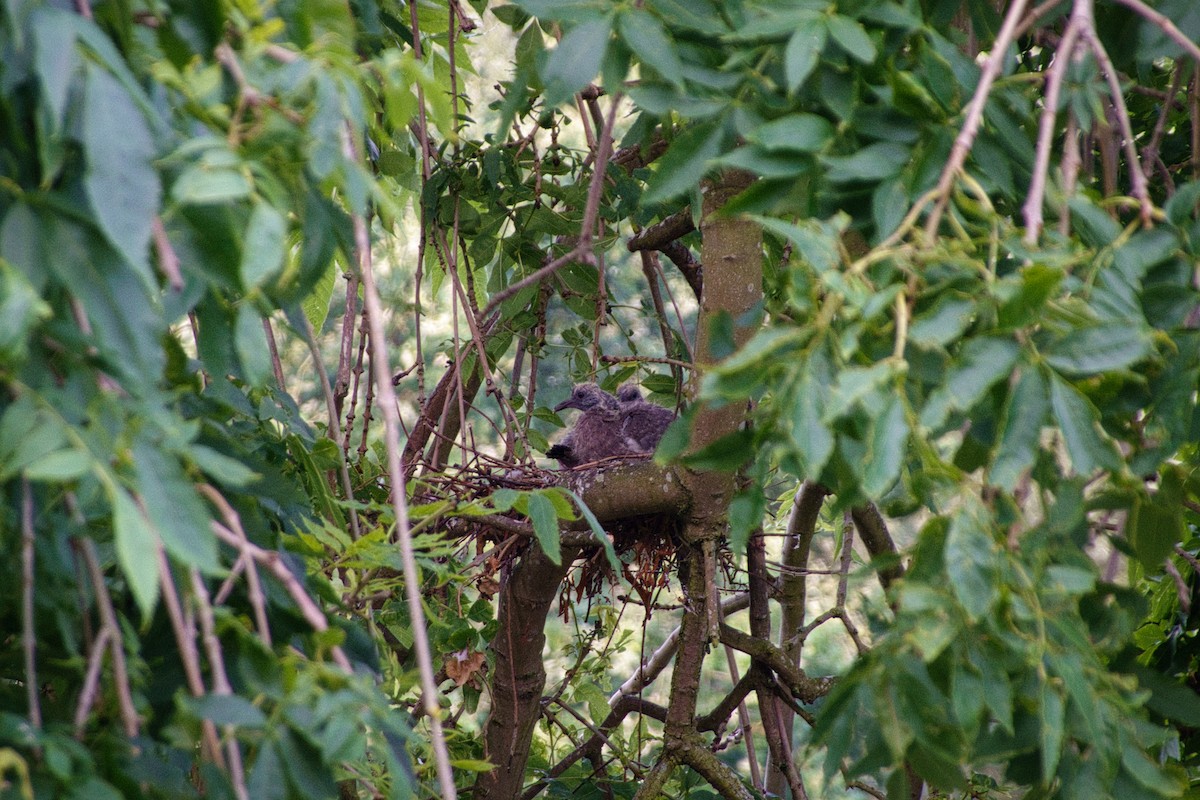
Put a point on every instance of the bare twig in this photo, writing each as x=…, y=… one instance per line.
x=1165, y=25
x=970, y=128
x=1137, y=174
x=391, y=419
x=28, y=634
x=274, y=565
x=186, y=642
x=168, y=260
x=108, y=620
x=273, y=348
x=91, y=681
x=335, y=424
x=221, y=687
x=1041, y=165
x=258, y=599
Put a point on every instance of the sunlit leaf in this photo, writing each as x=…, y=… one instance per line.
x=545, y=526
x=137, y=549
x=648, y=40
x=576, y=59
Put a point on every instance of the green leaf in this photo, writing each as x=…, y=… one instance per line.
x=886, y=448
x=944, y=322
x=810, y=434
x=60, y=466
x=1156, y=521
x=21, y=309
x=803, y=51
x=222, y=468
x=576, y=60
x=1150, y=775
x=175, y=510
x=120, y=181
x=137, y=549
x=804, y=133
x=250, y=341
x=227, y=709
x=981, y=363
x=264, y=246
x=1099, y=348
x=684, y=163
x=817, y=242
x=1089, y=447
x=852, y=37
x=971, y=562
x=649, y=41
x=1052, y=722
x=745, y=516
x=545, y=526
x=725, y=454
x=1021, y=423
x=872, y=163
x=609, y=552
x=1035, y=285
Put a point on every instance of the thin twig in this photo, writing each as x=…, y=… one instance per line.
x=1137, y=174
x=1165, y=25
x=221, y=686
x=335, y=425
x=274, y=564
x=258, y=599
x=108, y=619
x=273, y=349
x=970, y=128
x=28, y=634
x=391, y=419
x=186, y=643
x=1041, y=165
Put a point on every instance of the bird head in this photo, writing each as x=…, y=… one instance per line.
x=586, y=397
x=629, y=393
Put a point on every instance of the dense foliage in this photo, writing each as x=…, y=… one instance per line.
x=932, y=273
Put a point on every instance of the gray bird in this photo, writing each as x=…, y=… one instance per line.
x=595, y=433
x=609, y=426
x=642, y=423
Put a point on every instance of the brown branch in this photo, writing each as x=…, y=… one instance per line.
x=272, y=561
x=221, y=686
x=878, y=541
x=108, y=621
x=1165, y=25
x=28, y=633
x=391, y=419
x=774, y=658
x=970, y=129
x=185, y=642
x=662, y=233
x=1063, y=55
x=335, y=425
x=1137, y=174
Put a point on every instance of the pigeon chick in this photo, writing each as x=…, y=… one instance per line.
x=595, y=435
x=642, y=423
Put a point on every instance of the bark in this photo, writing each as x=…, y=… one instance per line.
x=779, y=736
x=732, y=254
x=519, y=675
x=873, y=530
x=793, y=595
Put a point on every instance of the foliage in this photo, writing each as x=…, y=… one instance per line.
x=212, y=595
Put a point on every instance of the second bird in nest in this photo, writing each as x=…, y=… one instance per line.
x=624, y=425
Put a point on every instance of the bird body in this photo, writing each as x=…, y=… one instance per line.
x=609, y=426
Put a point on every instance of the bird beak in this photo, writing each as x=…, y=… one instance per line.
x=568, y=403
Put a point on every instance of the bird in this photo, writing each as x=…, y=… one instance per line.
x=592, y=437
x=642, y=423
x=609, y=426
